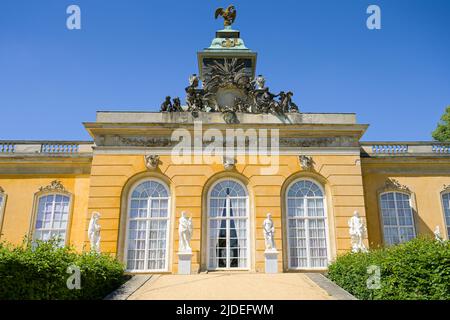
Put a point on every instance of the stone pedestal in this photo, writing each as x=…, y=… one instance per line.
x=271, y=261
x=184, y=262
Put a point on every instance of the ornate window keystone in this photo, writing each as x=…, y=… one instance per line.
x=229, y=163
x=54, y=186
x=394, y=185
x=306, y=162
x=151, y=161
x=445, y=189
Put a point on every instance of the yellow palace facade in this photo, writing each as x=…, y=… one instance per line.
x=316, y=173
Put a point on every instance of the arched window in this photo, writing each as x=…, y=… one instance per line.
x=397, y=217
x=306, y=226
x=446, y=205
x=148, y=227
x=52, y=217
x=2, y=196
x=2, y=208
x=228, y=226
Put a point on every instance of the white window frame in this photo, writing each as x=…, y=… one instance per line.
x=169, y=219
x=3, y=197
x=325, y=217
x=37, y=199
x=410, y=196
x=208, y=233
x=446, y=226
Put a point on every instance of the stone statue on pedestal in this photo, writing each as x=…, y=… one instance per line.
x=94, y=232
x=357, y=233
x=269, y=233
x=185, y=229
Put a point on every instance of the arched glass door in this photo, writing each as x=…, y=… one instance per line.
x=228, y=226
x=148, y=227
x=307, y=226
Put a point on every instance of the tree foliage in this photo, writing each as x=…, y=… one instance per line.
x=442, y=132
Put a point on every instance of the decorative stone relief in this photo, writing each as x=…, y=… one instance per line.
x=2, y=190
x=230, y=117
x=227, y=88
x=146, y=142
x=306, y=162
x=165, y=141
x=394, y=185
x=229, y=163
x=151, y=161
x=55, y=185
x=94, y=232
x=185, y=229
x=357, y=231
x=446, y=188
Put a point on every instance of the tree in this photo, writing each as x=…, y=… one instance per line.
x=442, y=132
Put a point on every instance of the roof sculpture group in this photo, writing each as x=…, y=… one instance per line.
x=227, y=76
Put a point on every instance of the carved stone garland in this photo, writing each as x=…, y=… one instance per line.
x=54, y=186
x=393, y=184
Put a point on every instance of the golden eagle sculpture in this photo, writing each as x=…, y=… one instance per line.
x=228, y=15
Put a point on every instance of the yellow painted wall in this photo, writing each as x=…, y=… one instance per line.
x=348, y=187
x=340, y=175
x=425, y=187
x=20, y=190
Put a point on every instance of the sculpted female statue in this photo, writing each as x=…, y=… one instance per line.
x=94, y=232
x=357, y=232
x=185, y=229
x=269, y=232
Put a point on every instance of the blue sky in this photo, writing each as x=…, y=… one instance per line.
x=130, y=54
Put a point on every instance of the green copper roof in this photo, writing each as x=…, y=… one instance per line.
x=227, y=39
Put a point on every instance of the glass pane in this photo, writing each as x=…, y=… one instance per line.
x=397, y=216
x=51, y=218
x=306, y=226
x=227, y=212
x=446, y=203
x=147, y=227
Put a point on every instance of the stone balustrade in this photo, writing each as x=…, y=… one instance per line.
x=79, y=147
x=405, y=148
x=45, y=147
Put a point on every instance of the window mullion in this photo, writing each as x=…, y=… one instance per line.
x=227, y=224
x=305, y=213
x=147, y=234
x=52, y=220
x=397, y=217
